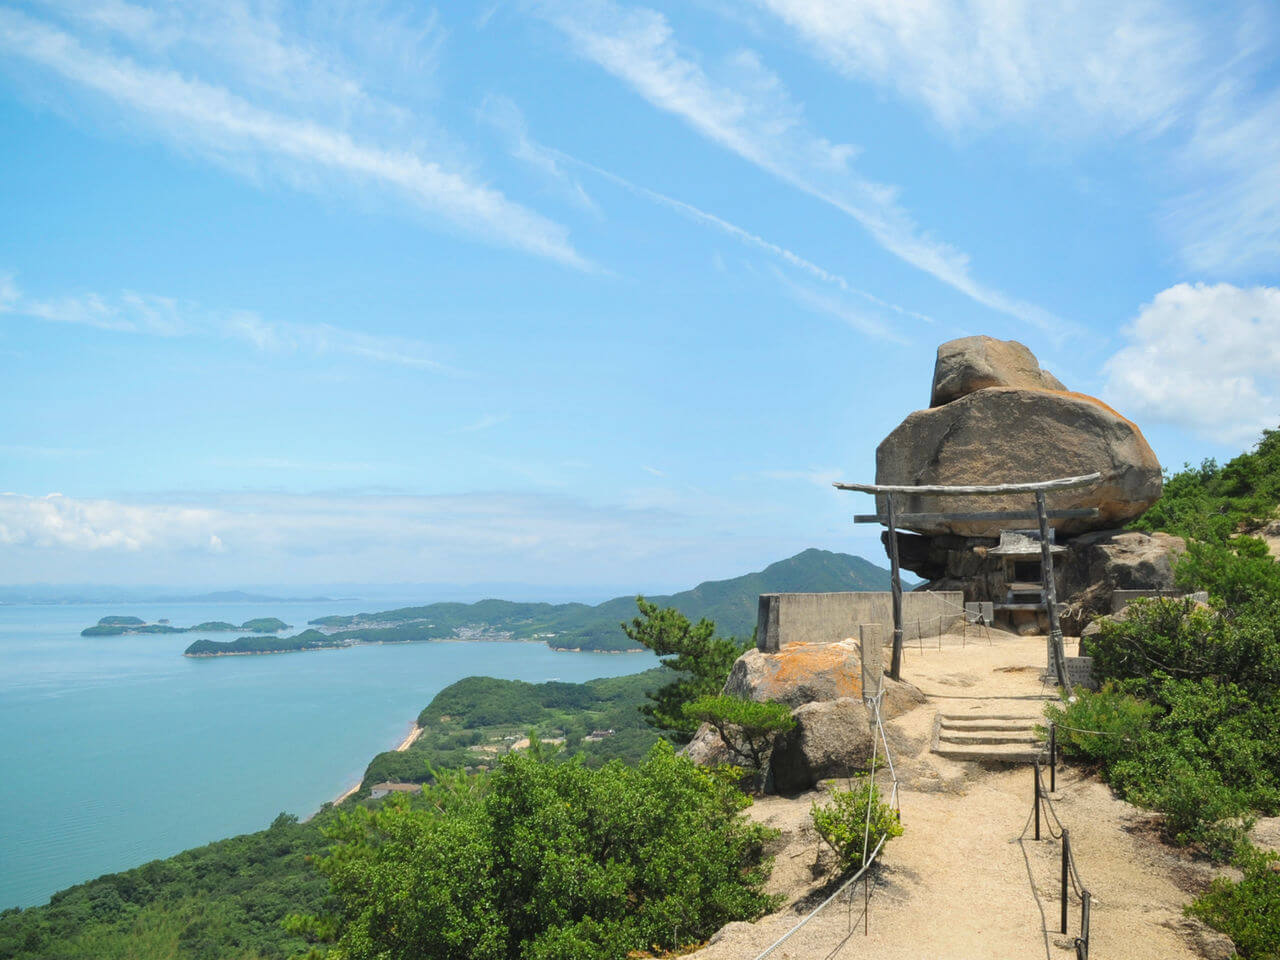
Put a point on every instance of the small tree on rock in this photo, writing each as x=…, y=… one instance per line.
x=748, y=728
x=700, y=659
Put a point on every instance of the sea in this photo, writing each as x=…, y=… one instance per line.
x=118, y=750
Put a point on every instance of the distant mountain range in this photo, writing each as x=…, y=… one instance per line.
x=42, y=593
x=732, y=604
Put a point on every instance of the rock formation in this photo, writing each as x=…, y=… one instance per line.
x=975, y=363
x=822, y=683
x=999, y=418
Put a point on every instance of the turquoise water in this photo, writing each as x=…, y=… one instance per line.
x=118, y=750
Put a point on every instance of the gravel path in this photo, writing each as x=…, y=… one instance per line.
x=960, y=883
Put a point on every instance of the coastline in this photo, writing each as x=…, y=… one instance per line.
x=404, y=745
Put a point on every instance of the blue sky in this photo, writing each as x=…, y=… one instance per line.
x=592, y=292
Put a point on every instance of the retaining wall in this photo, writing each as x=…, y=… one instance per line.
x=785, y=618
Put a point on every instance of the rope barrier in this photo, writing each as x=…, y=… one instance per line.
x=867, y=862
x=1070, y=871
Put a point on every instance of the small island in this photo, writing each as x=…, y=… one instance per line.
x=125, y=626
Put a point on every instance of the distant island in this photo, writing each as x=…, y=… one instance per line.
x=122, y=626
x=569, y=626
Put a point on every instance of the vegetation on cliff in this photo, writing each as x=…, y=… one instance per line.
x=1188, y=721
x=545, y=860
x=473, y=723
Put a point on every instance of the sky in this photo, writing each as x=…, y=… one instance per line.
x=583, y=292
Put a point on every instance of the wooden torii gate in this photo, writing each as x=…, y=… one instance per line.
x=1044, y=515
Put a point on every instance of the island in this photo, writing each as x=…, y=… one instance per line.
x=732, y=604
x=124, y=626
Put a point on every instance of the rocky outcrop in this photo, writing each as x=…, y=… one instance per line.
x=970, y=364
x=798, y=674
x=1007, y=435
x=822, y=683
x=833, y=738
x=1098, y=564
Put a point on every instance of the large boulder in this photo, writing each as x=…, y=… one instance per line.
x=799, y=673
x=1008, y=435
x=970, y=364
x=822, y=683
x=1098, y=564
x=833, y=738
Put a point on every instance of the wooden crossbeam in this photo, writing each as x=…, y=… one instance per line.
x=992, y=490
x=909, y=519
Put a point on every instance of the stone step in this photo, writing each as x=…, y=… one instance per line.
x=968, y=724
x=990, y=736
x=993, y=737
x=998, y=753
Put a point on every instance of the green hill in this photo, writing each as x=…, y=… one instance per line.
x=730, y=603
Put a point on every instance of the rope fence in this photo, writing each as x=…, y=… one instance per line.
x=1070, y=874
x=862, y=875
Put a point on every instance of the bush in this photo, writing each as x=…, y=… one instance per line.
x=1120, y=718
x=1247, y=911
x=747, y=728
x=545, y=860
x=842, y=822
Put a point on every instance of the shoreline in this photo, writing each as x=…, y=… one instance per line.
x=404, y=745
x=378, y=643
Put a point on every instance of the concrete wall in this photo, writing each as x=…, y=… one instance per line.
x=785, y=618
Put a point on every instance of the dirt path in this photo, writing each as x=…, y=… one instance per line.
x=960, y=883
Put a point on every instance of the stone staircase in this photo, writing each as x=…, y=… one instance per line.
x=999, y=737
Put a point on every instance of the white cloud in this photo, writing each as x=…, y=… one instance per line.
x=1231, y=220
x=503, y=115
x=224, y=126
x=167, y=317
x=1113, y=65
x=789, y=257
x=751, y=114
x=482, y=535
x=1205, y=357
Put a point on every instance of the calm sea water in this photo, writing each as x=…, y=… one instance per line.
x=118, y=750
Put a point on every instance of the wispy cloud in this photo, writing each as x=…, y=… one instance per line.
x=818, y=476
x=788, y=257
x=752, y=114
x=653, y=471
x=1205, y=357
x=1194, y=85
x=224, y=126
x=1113, y=65
x=485, y=422
x=503, y=115
x=136, y=313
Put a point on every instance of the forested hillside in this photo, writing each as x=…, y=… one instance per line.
x=730, y=603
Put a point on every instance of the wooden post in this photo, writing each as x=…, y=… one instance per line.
x=1051, y=597
x=895, y=584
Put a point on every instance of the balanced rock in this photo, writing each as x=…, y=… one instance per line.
x=1008, y=435
x=970, y=364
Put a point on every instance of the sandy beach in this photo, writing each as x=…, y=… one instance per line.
x=404, y=745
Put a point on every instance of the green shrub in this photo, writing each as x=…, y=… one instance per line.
x=545, y=860
x=1247, y=911
x=747, y=728
x=1120, y=719
x=842, y=822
